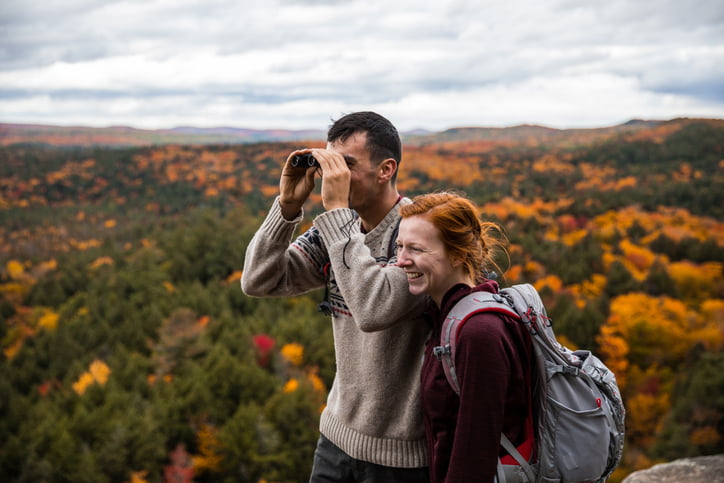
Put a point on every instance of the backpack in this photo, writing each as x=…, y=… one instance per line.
x=579, y=434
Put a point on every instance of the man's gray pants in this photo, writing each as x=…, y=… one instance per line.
x=332, y=465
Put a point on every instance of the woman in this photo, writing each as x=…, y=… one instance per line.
x=446, y=250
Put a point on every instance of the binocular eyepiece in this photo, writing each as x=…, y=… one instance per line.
x=304, y=161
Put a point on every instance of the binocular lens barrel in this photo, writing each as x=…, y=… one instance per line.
x=304, y=161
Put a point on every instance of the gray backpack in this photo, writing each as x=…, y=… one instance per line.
x=580, y=416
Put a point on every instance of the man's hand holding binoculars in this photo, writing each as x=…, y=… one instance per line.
x=297, y=181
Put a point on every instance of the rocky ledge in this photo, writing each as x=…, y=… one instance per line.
x=707, y=469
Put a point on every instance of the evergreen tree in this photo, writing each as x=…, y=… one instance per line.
x=619, y=280
x=696, y=423
x=658, y=282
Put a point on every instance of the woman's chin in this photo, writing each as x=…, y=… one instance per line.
x=416, y=289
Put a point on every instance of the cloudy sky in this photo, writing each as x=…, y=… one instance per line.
x=299, y=63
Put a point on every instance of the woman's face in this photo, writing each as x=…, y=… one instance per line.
x=424, y=258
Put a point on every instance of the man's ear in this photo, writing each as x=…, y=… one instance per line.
x=387, y=169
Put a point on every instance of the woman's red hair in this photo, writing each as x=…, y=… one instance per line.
x=465, y=236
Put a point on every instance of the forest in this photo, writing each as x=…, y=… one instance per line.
x=130, y=354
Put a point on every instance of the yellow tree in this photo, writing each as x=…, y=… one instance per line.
x=209, y=457
x=657, y=329
x=644, y=341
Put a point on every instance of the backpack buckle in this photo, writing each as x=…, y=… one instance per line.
x=441, y=351
x=574, y=371
x=504, y=298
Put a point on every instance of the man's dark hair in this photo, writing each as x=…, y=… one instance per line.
x=383, y=140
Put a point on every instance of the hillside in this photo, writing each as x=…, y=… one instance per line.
x=120, y=136
x=123, y=136
x=129, y=352
x=528, y=134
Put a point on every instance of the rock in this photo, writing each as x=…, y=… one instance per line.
x=707, y=469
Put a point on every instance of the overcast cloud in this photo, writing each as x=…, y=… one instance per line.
x=297, y=64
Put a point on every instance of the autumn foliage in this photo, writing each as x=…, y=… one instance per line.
x=129, y=352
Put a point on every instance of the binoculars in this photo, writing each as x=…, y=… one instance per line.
x=304, y=161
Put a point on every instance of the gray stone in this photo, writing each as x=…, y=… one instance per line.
x=706, y=469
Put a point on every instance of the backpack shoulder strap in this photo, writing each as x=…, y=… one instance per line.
x=469, y=305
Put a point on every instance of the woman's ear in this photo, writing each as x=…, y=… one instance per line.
x=456, y=262
x=387, y=169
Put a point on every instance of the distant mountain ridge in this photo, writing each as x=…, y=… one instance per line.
x=525, y=132
x=129, y=136
x=121, y=136
x=244, y=133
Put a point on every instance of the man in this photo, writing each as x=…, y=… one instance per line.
x=371, y=429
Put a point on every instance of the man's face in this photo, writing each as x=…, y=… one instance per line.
x=364, y=186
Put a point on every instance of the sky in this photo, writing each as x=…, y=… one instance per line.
x=298, y=64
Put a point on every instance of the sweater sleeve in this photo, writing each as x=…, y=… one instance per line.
x=483, y=363
x=274, y=266
x=377, y=295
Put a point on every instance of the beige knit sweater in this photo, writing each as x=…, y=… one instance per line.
x=373, y=409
